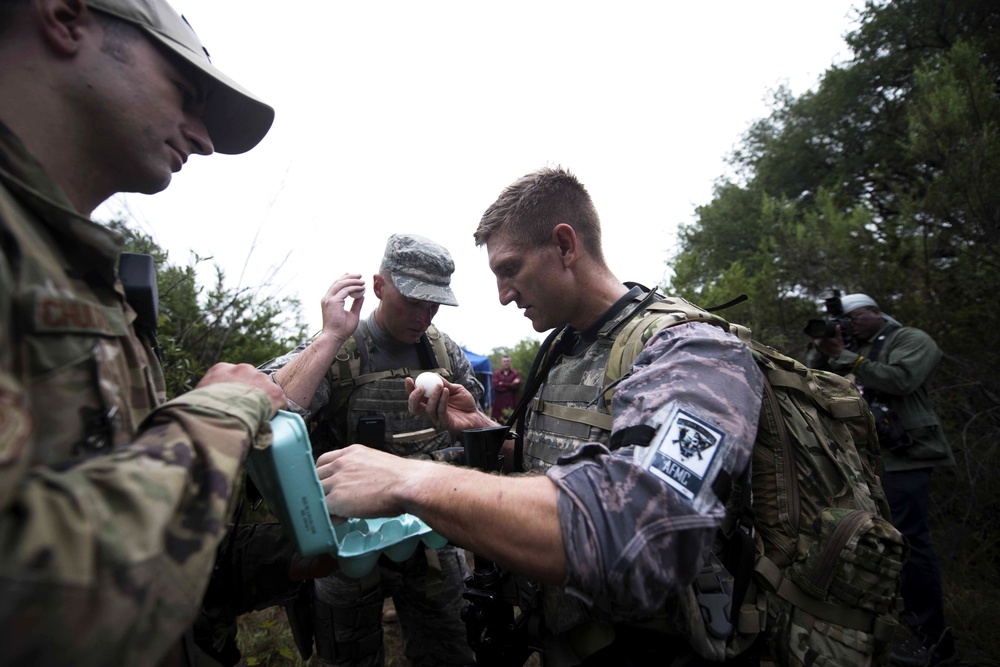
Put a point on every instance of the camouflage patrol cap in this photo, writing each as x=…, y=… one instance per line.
x=420, y=268
x=235, y=118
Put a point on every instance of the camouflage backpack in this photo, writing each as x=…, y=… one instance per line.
x=807, y=560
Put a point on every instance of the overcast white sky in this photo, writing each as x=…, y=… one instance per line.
x=411, y=117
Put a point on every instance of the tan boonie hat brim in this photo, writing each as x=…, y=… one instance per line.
x=235, y=118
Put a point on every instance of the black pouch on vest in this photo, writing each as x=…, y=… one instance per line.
x=371, y=431
x=891, y=433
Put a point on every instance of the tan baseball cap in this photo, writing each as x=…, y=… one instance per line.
x=236, y=119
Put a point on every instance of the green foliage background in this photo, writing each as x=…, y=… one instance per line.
x=886, y=180
x=198, y=327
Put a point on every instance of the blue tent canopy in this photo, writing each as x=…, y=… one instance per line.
x=484, y=373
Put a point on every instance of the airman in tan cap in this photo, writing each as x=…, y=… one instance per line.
x=113, y=500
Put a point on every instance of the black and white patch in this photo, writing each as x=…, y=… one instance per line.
x=682, y=454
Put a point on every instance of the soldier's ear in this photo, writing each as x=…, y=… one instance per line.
x=564, y=238
x=378, y=285
x=65, y=24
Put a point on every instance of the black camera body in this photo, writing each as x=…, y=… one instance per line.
x=828, y=328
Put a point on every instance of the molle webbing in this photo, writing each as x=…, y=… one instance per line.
x=388, y=397
x=571, y=406
x=655, y=316
x=367, y=393
x=352, y=360
x=625, y=345
x=576, y=415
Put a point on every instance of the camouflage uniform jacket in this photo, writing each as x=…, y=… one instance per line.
x=112, y=502
x=907, y=358
x=339, y=401
x=633, y=540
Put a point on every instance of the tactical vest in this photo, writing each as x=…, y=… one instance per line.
x=574, y=405
x=72, y=342
x=808, y=557
x=358, y=393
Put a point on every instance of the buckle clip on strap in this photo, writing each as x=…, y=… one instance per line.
x=714, y=604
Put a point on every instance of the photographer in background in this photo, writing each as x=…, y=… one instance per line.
x=891, y=364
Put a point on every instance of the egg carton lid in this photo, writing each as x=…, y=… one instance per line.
x=285, y=474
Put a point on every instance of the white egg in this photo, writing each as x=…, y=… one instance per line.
x=427, y=381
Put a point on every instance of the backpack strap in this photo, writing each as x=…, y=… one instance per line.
x=352, y=359
x=439, y=351
x=626, y=341
x=873, y=355
x=558, y=343
x=770, y=410
x=660, y=314
x=876, y=348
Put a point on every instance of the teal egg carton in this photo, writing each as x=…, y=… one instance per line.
x=285, y=474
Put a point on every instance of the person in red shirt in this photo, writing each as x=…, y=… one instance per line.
x=506, y=389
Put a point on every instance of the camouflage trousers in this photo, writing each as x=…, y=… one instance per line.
x=428, y=600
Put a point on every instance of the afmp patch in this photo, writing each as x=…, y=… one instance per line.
x=682, y=454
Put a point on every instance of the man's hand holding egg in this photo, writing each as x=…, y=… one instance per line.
x=427, y=381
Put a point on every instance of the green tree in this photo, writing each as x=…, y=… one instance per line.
x=198, y=327
x=885, y=179
x=954, y=132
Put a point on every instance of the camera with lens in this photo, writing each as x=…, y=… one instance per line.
x=828, y=328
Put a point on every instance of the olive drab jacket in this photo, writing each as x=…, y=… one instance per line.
x=907, y=358
x=113, y=501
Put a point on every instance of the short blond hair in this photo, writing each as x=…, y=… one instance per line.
x=528, y=210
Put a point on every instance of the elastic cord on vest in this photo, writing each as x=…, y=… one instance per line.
x=861, y=358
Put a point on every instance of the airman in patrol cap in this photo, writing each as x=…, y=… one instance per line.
x=350, y=381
